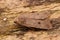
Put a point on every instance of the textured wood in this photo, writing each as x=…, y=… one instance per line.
x=10, y=9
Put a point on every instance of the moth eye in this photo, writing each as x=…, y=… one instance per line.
x=39, y=23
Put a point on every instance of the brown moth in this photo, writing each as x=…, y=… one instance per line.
x=35, y=19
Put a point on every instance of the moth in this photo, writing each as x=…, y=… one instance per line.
x=35, y=19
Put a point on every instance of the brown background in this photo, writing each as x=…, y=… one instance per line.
x=10, y=9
